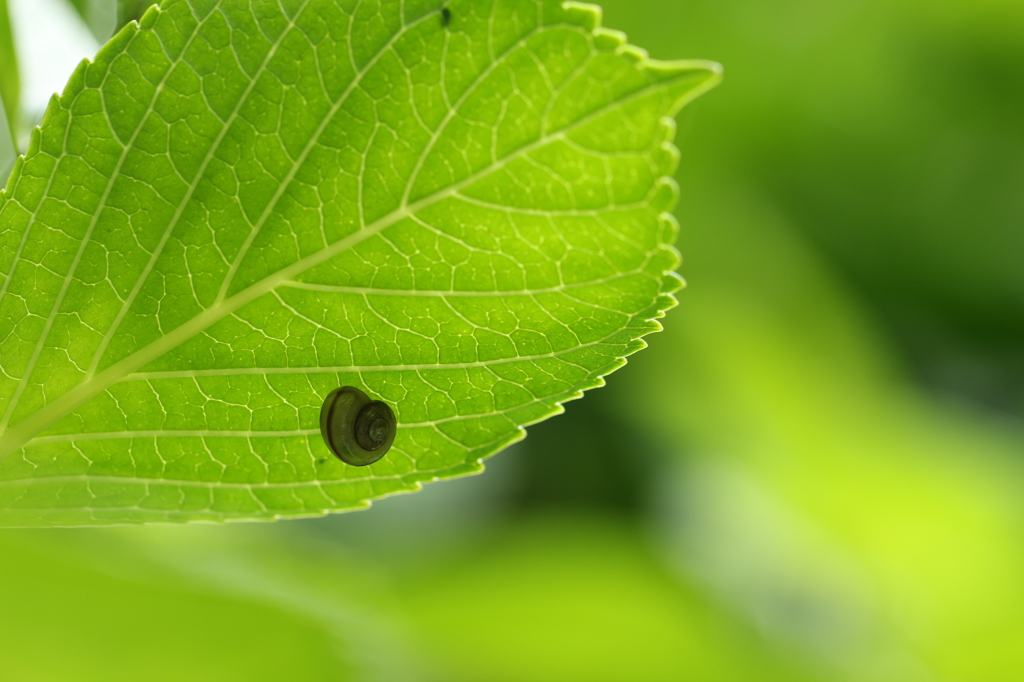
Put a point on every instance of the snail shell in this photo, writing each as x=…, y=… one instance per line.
x=359, y=431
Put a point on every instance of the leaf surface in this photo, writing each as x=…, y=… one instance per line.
x=241, y=205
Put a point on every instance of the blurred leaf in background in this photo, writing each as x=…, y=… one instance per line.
x=889, y=135
x=842, y=255
x=813, y=474
x=106, y=17
x=99, y=15
x=10, y=93
x=558, y=596
x=50, y=40
x=74, y=617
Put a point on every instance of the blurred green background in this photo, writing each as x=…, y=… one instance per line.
x=814, y=474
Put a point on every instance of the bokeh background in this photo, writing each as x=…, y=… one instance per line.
x=816, y=473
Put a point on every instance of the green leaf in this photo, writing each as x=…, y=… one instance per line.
x=240, y=206
x=7, y=151
x=10, y=90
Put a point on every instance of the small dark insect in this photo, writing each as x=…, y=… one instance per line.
x=446, y=16
x=359, y=431
x=321, y=460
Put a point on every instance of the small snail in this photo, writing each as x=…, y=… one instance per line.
x=359, y=431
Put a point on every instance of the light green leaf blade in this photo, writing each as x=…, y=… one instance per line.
x=10, y=91
x=240, y=206
x=7, y=151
